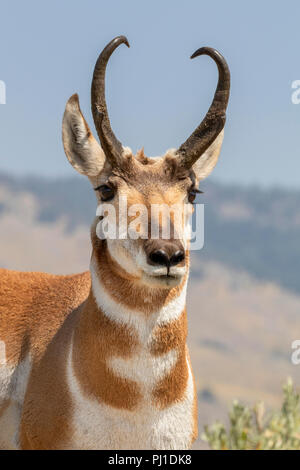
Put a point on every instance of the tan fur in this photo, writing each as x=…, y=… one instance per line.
x=41, y=312
x=169, y=336
x=48, y=408
x=34, y=314
x=138, y=297
x=4, y=407
x=96, y=339
x=33, y=306
x=43, y=315
x=172, y=387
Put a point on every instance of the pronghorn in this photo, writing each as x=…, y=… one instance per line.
x=99, y=360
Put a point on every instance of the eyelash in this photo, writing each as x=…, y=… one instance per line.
x=103, y=187
x=193, y=192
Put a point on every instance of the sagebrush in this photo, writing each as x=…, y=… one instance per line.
x=250, y=428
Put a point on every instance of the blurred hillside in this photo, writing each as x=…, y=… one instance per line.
x=240, y=336
x=244, y=294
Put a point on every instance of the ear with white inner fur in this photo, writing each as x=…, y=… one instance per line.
x=81, y=148
x=206, y=163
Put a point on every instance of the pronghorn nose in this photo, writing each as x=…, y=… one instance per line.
x=177, y=258
x=162, y=258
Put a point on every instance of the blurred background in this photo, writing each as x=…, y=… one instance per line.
x=244, y=294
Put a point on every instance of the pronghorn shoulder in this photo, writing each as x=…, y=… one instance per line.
x=18, y=283
x=33, y=305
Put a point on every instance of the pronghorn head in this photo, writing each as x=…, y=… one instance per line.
x=168, y=182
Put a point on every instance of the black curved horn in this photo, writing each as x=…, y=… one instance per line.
x=214, y=121
x=112, y=147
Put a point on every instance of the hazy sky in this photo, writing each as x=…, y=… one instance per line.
x=156, y=95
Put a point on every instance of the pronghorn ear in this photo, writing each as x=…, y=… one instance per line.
x=206, y=163
x=81, y=148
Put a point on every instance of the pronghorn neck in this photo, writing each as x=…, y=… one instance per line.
x=124, y=300
x=130, y=341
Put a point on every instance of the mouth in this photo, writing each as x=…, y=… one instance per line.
x=162, y=280
x=167, y=276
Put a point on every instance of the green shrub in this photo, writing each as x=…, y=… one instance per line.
x=250, y=428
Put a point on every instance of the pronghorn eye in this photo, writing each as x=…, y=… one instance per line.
x=192, y=194
x=106, y=192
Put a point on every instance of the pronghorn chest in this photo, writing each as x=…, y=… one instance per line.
x=157, y=421
x=138, y=393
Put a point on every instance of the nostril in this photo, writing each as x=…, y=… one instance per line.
x=177, y=258
x=159, y=257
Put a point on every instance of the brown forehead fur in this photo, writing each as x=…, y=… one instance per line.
x=147, y=174
x=144, y=171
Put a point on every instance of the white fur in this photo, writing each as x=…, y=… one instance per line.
x=2, y=353
x=13, y=384
x=118, y=250
x=6, y=372
x=135, y=319
x=92, y=158
x=144, y=368
x=134, y=261
x=100, y=426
